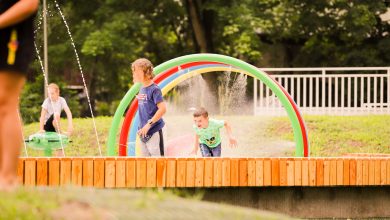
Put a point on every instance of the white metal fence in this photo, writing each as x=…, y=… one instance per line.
x=333, y=91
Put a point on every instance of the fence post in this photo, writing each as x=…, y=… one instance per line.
x=388, y=90
x=323, y=89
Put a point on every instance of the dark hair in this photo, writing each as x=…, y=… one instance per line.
x=201, y=112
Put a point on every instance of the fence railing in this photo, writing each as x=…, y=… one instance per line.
x=345, y=91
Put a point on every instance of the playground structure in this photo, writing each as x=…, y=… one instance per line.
x=236, y=175
x=177, y=70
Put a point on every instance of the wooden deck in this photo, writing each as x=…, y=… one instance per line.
x=127, y=172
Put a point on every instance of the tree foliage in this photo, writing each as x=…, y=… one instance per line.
x=110, y=34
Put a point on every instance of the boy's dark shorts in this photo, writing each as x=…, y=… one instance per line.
x=24, y=47
x=48, y=127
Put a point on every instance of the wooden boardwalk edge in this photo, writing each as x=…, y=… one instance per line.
x=130, y=172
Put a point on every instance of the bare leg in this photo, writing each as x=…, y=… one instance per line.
x=57, y=126
x=11, y=85
x=56, y=122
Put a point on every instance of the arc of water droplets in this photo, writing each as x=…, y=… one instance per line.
x=51, y=101
x=46, y=82
x=82, y=74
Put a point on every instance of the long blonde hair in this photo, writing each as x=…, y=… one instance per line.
x=145, y=65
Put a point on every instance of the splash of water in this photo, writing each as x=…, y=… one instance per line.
x=81, y=72
x=231, y=92
x=192, y=93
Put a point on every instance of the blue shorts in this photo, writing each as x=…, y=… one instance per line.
x=210, y=151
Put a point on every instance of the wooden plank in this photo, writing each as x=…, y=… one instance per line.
x=340, y=172
x=217, y=174
x=88, y=172
x=54, y=172
x=109, y=175
x=312, y=172
x=365, y=172
x=98, y=172
x=259, y=172
x=77, y=172
x=290, y=172
x=199, y=172
x=346, y=174
x=371, y=172
x=383, y=172
x=131, y=172
x=320, y=172
x=234, y=172
x=20, y=171
x=326, y=172
x=42, y=172
x=377, y=172
x=333, y=172
x=283, y=172
x=275, y=172
x=305, y=172
x=190, y=172
x=267, y=172
x=120, y=172
x=171, y=172
x=140, y=166
x=181, y=172
x=208, y=172
x=298, y=172
x=225, y=172
x=251, y=172
x=243, y=172
x=65, y=171
x=30, y=172
x=388, y=172
x=161, y=175
x=352, y=172
x=151, y=172
x=359, y=172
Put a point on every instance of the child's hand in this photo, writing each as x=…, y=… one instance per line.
x=41, y=131
x=143, y=131
x=232, y=142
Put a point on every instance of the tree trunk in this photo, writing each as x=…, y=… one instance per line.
x=198, y=28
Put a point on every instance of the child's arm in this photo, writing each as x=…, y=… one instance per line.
x=70, y=119
x=42, y=120
x=159, y=113
x=162, y=108
x=18, y=12
x=196, y=146
x=232, y=140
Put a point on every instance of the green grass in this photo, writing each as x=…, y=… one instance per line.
x=84, y=141
x=257, y=136
x=87, y=203
x=340, y=135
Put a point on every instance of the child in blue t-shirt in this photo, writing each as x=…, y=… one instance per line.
x=208, y=137
x=151, y=108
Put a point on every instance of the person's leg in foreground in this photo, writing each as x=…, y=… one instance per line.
x=11, y=85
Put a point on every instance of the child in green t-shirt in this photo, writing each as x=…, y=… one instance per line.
x=208, y=137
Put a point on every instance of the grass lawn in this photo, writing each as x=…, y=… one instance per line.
x=87, y=203
x=340, y=135
x=257, y=136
